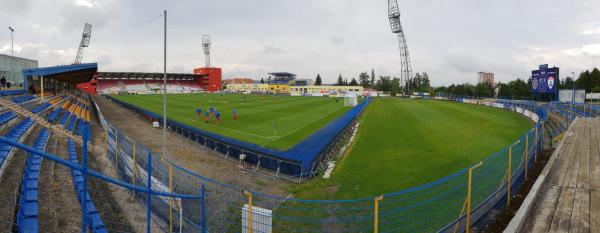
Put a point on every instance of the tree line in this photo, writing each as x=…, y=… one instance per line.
x=520, y=88
x=388, y=84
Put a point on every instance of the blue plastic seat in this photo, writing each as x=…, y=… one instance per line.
x=30, y=210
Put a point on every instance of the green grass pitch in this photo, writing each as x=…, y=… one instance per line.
x=295, y=117
x=405, y=143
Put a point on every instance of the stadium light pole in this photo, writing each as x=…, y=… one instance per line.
x=573, y=86
x=164, y=149
x=12, y=49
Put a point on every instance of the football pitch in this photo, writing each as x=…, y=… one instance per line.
x=277, y=122
x=406, y=143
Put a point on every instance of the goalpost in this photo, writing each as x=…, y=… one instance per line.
x=350, y=100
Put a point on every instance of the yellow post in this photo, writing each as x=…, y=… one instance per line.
x=468, y=226
x=42, y=85
x=509, y=175
x=171, y=198
x=526, y=153
x=376, y=214
x=542, y=137
x=250, y=226
x=536, y=144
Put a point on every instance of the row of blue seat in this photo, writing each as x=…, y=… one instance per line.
x=15, y=134
x=52, y=117
x=95, y=222
x=22, y=98
x=65, y=117
x=27, y=216
x=12, y=92
x=7, y=116
x=40, y=107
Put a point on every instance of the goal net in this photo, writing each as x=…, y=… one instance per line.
x=350, y=100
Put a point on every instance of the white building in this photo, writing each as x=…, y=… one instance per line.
x=9, y=63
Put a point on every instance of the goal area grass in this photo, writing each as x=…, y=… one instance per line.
x=271, y=121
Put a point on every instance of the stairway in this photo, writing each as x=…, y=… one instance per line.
x=39, y=119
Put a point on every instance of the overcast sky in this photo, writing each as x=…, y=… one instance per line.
x=449, y=39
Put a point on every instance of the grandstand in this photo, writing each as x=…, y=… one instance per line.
x=150, y=83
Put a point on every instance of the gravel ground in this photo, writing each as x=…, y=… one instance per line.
x=59, y=209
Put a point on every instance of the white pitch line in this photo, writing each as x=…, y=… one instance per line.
x=235, y=130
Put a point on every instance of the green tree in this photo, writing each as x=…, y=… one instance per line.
x=353, y=82
x=340, y=81
x=568, y=83
x=363, y=79
x=482, y=90
x=318, y=80
x=262, y=80
x=372, y=77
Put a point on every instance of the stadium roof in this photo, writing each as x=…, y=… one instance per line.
x=73, y=74
x=149, y=76
x=282, y=74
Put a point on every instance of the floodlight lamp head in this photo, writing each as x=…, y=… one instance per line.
x=87, y=34
x=206, y=44
x=394, y=15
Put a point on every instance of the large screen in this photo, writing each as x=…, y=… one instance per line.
x=544, y=80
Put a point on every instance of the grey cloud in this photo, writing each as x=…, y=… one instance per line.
x=451, y=40
x=271, y=49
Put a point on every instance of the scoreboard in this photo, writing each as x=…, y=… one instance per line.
x=545, y=80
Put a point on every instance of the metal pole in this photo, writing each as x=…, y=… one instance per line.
x=171, y=198
x=164, y=149
x=526, y=154
x=12, y=48
x=250, y=223
x=468, y=226
x=376, y=214
x=149, y=194
x=42, y=86
x=203, y=210
x=537, y=143
x=509, y=176
x=83, y=199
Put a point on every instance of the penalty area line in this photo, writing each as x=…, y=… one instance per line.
x=238, y=131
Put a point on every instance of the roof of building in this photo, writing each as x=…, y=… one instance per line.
x=282, y=74
x=73, y=74
x=141, y=76
x=22, y=58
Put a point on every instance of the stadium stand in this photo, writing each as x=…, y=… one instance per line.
x=12, y=92
x=41, y=107
x=27, y=216
x=7, y=116
x=22, y=98
x=15, y=134
x=146, y=83
x=95, y=222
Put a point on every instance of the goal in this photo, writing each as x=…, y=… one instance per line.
x=350, y=100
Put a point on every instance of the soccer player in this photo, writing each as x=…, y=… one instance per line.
x=217, y=115
x=206, y=116
x=235, y=112
x=199, y=112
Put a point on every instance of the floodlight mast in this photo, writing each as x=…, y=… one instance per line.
x=206, y=47
x=396, y=26
x=85, y=42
